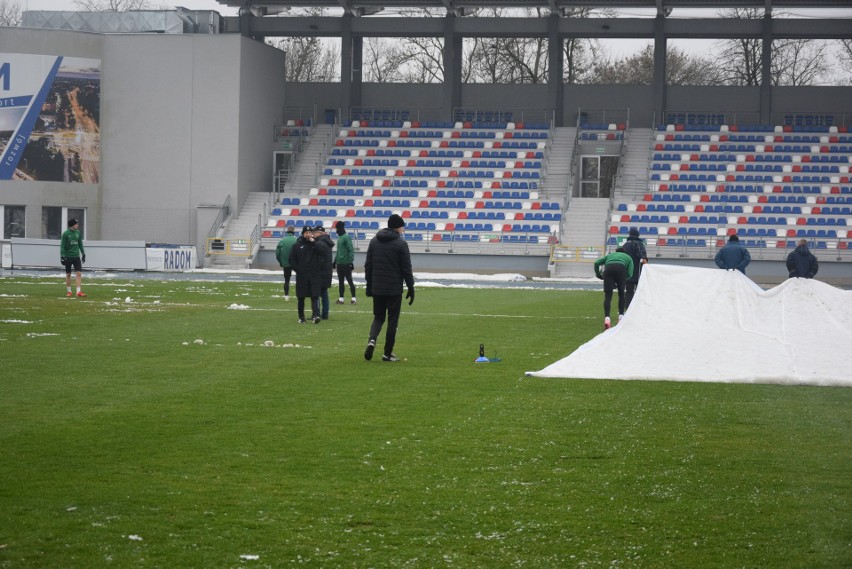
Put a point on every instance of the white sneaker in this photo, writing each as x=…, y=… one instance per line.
x=287, y=298
x=620, y=316
x=607, y=323
x=353, y=301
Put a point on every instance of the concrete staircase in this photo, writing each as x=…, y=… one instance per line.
x=584, y=235
x=310, y=162
x=557, y=183
x=254, y=210
x=633, y=178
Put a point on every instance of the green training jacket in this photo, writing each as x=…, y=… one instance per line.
x=618, y=258
x=71, y=244
x=345, y=250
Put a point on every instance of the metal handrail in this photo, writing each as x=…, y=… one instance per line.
x=224, y=212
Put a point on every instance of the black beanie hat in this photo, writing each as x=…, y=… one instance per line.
x=733, y=238
x=341, y=227
x=634, y=231
x=72, y=222
x=395, y=221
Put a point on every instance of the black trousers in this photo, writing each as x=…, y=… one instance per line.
x=386, y=307
x=615, y=276
x=630, y=290
x=344, y=272
x=315, y=307
x=288, y=272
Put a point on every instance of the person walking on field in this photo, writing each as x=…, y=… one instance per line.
x=72, y=254
x=636, y=249
x=733, y=256
x=801, y=262
x=282, y=253
x=387, y=268
x=614, y=269
x=307, y=258
x=344, y=261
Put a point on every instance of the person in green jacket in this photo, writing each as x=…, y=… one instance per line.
x=73, y=254
x=344, y=261
x=614, y=269
x=282, y=253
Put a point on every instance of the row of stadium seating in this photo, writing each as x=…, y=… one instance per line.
x=781, y=185
x=682, y=242
x=725, y=128
x=423, y=153
x=718, y=119
x=450, y=190
x=437, y=176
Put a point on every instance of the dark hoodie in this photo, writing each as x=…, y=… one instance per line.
x=388, y=264
x=802, y=263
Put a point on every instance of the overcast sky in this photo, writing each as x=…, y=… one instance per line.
x=61, y=5
x=640, y=13
x=615, y=48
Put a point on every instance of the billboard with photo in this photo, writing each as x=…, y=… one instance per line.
x=49, y=118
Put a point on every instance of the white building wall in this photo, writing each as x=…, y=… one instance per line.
x=186, y=121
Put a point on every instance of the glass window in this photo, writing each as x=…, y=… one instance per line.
x=14, y=221
x=51, y=222
x=54, y=220
x=80, y=215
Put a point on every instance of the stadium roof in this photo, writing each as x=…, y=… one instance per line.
x=465, y=7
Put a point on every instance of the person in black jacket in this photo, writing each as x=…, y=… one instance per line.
x=636, y=249
x=321, y=235
x=801, y=262
x=388, y=266
x=308, y=258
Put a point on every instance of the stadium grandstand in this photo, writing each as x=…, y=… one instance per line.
x=198, y=141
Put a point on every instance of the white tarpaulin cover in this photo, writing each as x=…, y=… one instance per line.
x=694, y=324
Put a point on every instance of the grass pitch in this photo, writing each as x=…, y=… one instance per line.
x=196, y=424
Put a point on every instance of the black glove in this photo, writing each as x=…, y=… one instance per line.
x=351, y=266
x=63, y=260
x=334, y=265
x=84, y=258
x=369, y=291
x=411, y=296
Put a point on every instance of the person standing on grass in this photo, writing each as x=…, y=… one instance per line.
x=73, y=254
x=282, y=253
x=387, y=268
x=307, y=258
x=344, y=261
x=328, y=262
x=733, y=256
x=801, y=262
x=614, y=269
x=636, y=249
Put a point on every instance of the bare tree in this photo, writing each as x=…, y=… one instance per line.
x=113, y=5
x=580, y=54
x=844, y=58
x=638, y=69
x=383, y=60
x=307, y=60
x=794, y=61
x=10, y=13
x=425, y=60
x=509, y=60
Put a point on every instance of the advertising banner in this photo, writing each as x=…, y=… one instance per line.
x=171, y=259
x=49, y=118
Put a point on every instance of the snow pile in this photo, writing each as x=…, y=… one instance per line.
x=694, y=324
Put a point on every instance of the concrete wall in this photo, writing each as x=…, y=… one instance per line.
x=186, y=120
x=54, y=42
x=427, y=99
